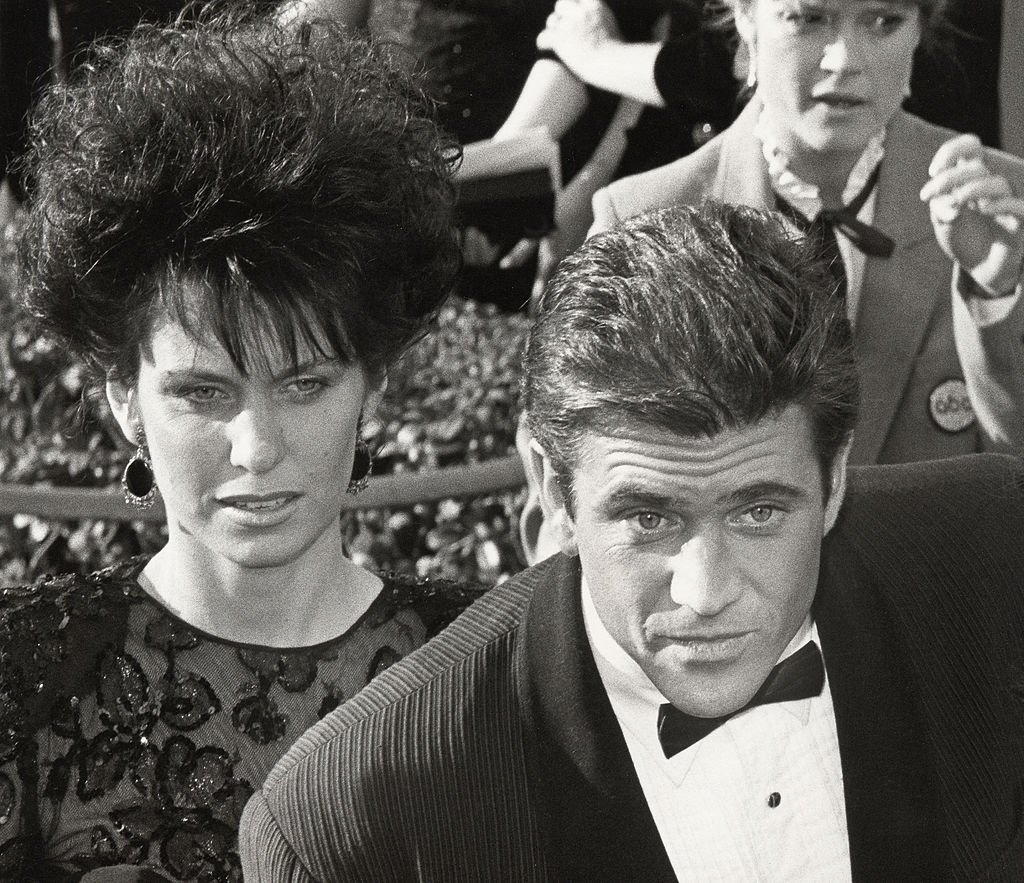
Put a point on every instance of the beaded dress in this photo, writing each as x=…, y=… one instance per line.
x=129, y=737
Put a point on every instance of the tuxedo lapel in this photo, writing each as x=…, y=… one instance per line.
x=900, y=294
x=591, y=808
x=893, y=821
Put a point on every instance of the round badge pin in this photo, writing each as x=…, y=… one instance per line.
x=950, y=407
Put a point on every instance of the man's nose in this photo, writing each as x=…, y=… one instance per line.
x=257, y=439
x=701, y=577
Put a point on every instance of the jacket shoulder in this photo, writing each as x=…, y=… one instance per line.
x=432, y=744
x=942, y=535
x=474, y=649
x=686, y=181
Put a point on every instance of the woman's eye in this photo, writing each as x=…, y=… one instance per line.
x=305, y=386
x=886, y=24
x=201, y=394
x=804, y=17
x=761, y=514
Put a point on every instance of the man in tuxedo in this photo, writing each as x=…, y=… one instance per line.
x=747, y=663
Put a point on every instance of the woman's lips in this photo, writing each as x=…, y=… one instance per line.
x=260, y=509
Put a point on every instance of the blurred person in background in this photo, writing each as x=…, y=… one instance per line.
x=943, y=370
x=667, y=74
x=926, y=227
x=472, y=57
x=238, y=228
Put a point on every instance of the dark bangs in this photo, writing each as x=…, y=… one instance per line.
x=256, y=326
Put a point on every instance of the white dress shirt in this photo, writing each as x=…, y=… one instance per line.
x=711, y=802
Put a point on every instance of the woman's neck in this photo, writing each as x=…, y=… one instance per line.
x=304, y=602
x=828, y=170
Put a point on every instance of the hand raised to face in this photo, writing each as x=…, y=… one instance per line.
x=978, y=219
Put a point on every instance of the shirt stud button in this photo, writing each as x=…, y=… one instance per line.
x=774, y=799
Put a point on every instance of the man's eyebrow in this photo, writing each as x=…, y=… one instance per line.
x=765, y=490
x=636, y=494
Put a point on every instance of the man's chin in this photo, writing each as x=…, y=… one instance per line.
x=711, y=696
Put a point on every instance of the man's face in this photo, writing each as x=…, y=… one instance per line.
x=701, y=554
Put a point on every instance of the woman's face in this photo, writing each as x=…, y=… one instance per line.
x=830, y=72
x=253, y=468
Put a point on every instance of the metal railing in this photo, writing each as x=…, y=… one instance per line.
x=383, y=492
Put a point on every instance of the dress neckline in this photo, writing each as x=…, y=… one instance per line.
x=134, y=572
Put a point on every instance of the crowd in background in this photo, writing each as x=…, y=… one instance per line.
x=480, y=59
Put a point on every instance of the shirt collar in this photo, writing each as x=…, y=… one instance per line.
x=803, y=196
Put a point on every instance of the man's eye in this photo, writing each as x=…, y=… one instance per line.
x=649, y=520
x=761, y=514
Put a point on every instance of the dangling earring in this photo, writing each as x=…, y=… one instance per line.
x=138, y=480
x=362, y=466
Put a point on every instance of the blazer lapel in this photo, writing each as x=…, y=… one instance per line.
x=591, y=808
x=900, y=294
x=894, y=825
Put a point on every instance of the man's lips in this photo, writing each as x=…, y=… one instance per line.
x=670, y=625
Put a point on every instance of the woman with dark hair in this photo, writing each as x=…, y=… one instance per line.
x=238, y=227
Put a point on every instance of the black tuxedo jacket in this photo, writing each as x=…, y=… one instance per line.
x=493, y=753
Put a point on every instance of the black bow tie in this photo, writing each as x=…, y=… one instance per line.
x=799, y=676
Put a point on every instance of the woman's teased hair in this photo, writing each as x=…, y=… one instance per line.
x=240, y=178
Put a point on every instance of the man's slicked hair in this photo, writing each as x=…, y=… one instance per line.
x=694, y=320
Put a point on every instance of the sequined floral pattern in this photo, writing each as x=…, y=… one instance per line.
x=127, y=737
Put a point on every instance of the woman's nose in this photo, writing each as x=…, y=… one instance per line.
x=843, y=54
x=257, y=439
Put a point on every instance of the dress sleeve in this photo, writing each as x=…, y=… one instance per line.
x=989, y=335
x=636, y=20
x=20, y=670
x=47, y=632
x=694, y=69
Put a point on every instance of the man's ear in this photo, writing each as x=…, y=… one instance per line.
x=837, y=485
x=559, y=522
x=119, y=397
x=376, y=386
